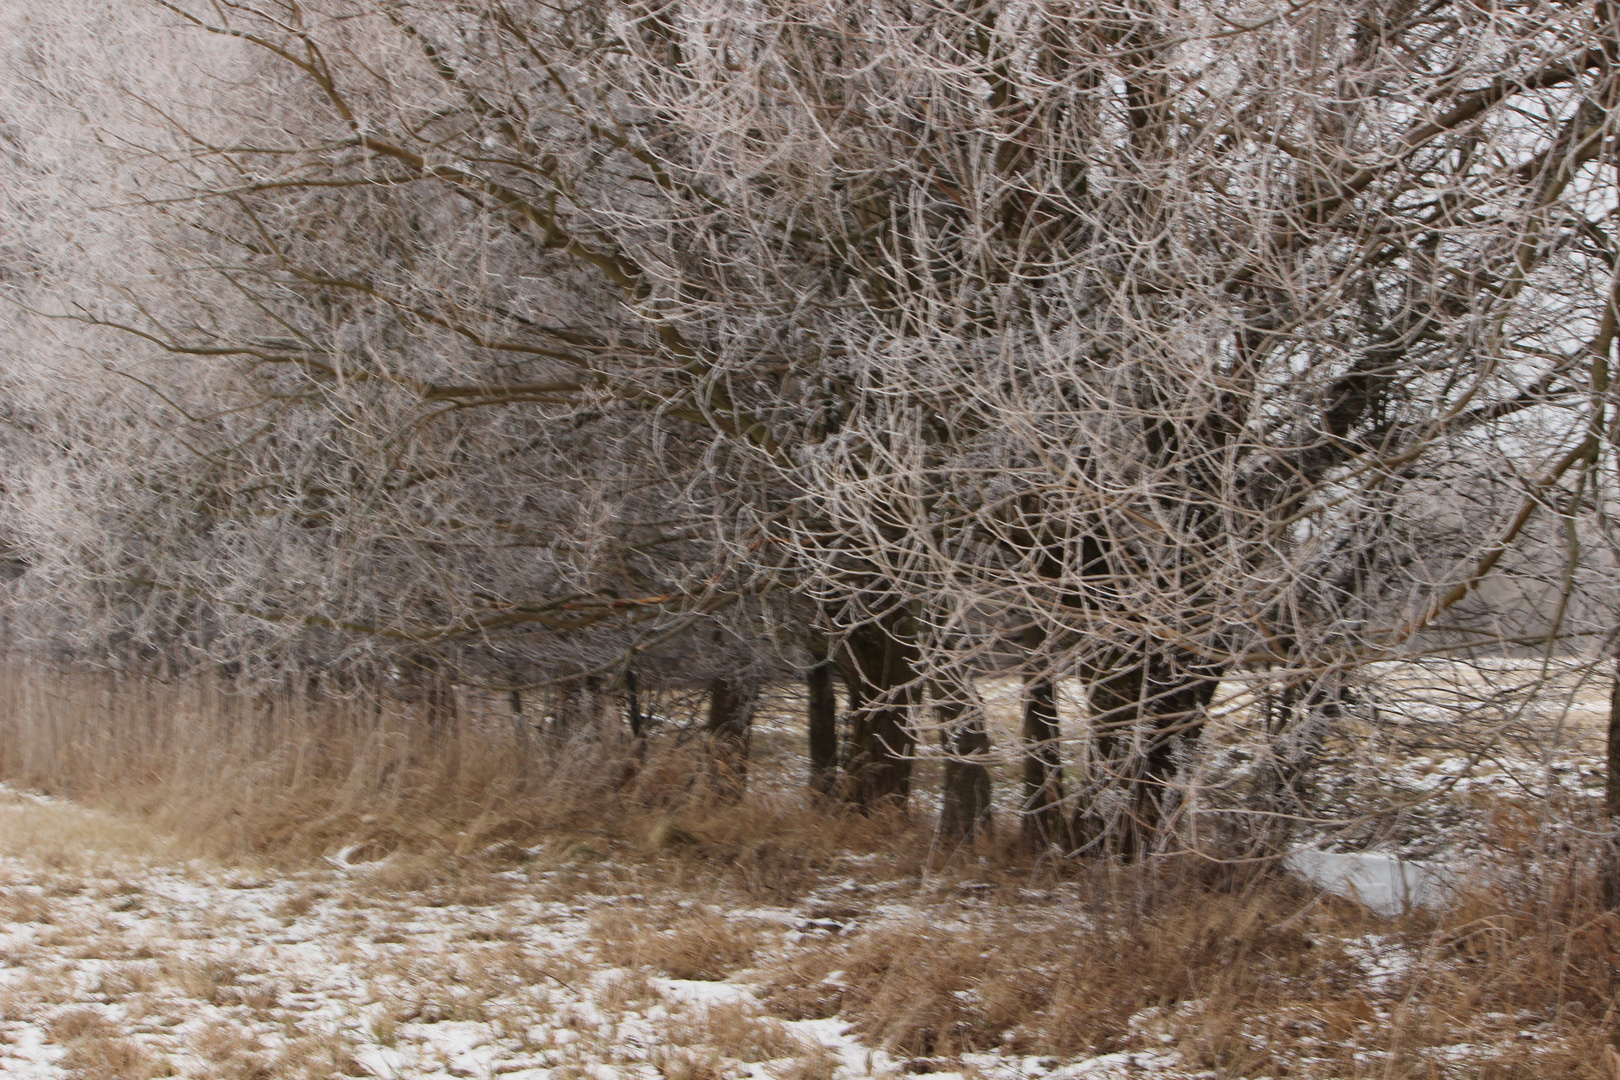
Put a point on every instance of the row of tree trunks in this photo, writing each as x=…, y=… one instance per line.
x=1142, y=711
x=880, y=673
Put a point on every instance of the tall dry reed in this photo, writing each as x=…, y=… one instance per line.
x=282, y=773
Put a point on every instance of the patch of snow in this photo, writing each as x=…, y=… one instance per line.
x=381, y=1061
x=1110, y=1066
x=1384, y=883
x=25, y=1053
x=694, y=992
x=1382, y=960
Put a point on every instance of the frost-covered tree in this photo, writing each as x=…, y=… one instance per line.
x=1140, y=343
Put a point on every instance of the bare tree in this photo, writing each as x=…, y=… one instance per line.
x=1134, y=343
x=1143, y=338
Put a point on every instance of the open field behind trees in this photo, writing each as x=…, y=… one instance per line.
x=203, y=890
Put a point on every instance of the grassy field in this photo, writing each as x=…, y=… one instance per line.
x=192, y=887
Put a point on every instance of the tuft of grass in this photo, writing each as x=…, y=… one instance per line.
x=96, y=1051
x=736, y=1032
x=703, y=945
x=210, y=979
x=231, y=1052
x=682, y=1063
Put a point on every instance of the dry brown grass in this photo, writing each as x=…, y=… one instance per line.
x=212, y=979
x=737, y=1032
x=232, y=1053
x=95, y=1050
x=275, y=776
x=702, y=944
x=289, y=782
x=1043, y=983
x=1244, y=974
x=68, y=838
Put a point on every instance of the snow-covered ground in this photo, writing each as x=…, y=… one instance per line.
x=121, y=959
x=1385, y=883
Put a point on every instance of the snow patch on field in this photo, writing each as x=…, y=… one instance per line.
x=209, y=972
x=1387, y=884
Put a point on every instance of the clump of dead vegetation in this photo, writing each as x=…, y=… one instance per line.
x=931, y=954
x=96, y=1050
x=701, y=944
x=1245, y=974
x=281, y=779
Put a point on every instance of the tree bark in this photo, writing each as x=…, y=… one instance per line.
x=822, y=709
x=1140, y=713
x=520, y=731
x=1611, y=796
x=440, y=713
x=879, y=663
x=575, y=704
x=730, y=724
x=632, y=706
x=1043, y=823
x=965, y=792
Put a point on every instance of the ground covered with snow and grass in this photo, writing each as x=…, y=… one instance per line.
x=121, y=956
x=330, y=905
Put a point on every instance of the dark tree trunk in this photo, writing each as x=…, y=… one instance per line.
x=1043, y=821
x=822, y=709
x=879, y=663
x=440, y=714
x=1611, y=796
x=731, y=718
x=443, y=714
x=1140, y=714
x=520, y=731
x=632, y=708
x=574, y=707
x=965, y=803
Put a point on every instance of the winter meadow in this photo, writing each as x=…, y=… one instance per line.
x=810, y=539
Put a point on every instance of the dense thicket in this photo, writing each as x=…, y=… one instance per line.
x=1148, y=345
